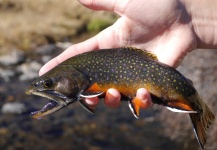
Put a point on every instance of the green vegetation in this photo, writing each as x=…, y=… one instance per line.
x=25, y=24
x=97, y=25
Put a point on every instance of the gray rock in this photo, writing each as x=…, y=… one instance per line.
x=29, y=70
x=6, y=74
x=13, y=108
x=13, y=57
x=46, y=49
x=63, y=45
x=45, y=58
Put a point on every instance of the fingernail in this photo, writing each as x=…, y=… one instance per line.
x=41, y=71
x=145, y=97
x=112, y=98
x=92, y=101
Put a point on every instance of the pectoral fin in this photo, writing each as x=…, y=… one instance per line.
x=86, y=107
x=93, y=91
x=88, y=94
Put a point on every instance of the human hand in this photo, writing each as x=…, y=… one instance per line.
x=162, y=27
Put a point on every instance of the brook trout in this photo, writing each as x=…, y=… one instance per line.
x=127, y=69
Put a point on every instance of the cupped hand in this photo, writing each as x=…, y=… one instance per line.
x=162, y=27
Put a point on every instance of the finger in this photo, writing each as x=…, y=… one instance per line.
x=76, y=49
x=99, y=4
x=109, y=5
x=112, y=98
x=105, y=39
x=175, y=49
x=145, y=98
x=92, y=101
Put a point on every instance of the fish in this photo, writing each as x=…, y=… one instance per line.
x=126, y=69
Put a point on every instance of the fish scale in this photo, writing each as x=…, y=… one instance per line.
x=126, y=69
x=133, y=68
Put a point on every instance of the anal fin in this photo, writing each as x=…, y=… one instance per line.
x=179, y=106
x=180, y=110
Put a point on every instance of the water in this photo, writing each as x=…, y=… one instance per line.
x=74, y=128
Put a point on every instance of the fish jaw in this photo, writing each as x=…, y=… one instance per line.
x=57, y=101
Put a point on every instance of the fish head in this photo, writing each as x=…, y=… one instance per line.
x=59, y=85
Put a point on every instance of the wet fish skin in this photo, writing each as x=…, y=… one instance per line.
x=125, y=69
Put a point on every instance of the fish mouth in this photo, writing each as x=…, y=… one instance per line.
x=57, y=102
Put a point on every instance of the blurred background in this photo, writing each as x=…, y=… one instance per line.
x=33, y=32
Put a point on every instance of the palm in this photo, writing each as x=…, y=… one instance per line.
x=162, y=27
x=156, y=29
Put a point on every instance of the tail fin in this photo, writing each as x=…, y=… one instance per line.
x=201, y=122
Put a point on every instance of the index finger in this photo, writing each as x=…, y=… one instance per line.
x=105, y=39
x=73, y=50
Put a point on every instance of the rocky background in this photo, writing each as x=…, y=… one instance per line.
x=33, y=32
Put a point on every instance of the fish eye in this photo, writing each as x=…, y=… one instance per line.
x=47, y=83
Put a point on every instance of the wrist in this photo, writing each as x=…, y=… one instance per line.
x=204, y=21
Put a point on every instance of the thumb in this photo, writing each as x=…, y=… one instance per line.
x=176, y=47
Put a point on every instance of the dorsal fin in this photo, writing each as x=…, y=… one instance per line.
x=145, y=53
x=191, y=82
